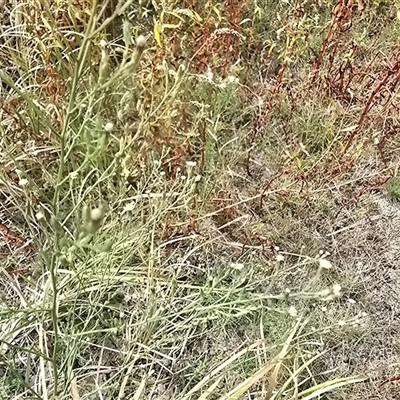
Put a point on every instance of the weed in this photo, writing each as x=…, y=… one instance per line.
x=172, y=176
x=392, y=187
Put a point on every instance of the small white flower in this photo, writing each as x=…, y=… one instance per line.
x=280, y=258
x=209, y=75
x=364, y=314
x=324, y=309
x=191, y=163
x=183, y=177
x=39, y=216
x=141, y=41
x=232, y=79
x=237, y=266
x=325, y=264
x=23, y=182
x=197, y=179
x=108, y=127
x=337, y=289
x=128, y=207
x=162, y=173
x=351, y=301
x=287, y=290
x=292, y=311
x=276, y=248
x=96, y=214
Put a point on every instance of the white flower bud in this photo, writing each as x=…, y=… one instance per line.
x=325, y=264
x=292, y=311
x=96, y=214
x=141, y=41
x=108, y=127
x=39, y=216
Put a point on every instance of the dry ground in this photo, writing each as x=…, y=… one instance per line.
x=165, y=207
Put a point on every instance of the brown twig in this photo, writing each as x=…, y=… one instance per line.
x=379, y=182
x=268, y=185
x=377, y=89
x=14, y=238
x=383, y=140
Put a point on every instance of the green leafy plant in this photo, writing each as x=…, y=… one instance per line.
x=169, y=173
x=392, y=187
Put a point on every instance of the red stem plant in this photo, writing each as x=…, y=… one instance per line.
x=341, y=21
x=379, y=87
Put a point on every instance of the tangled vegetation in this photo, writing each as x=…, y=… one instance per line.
x=199, y=199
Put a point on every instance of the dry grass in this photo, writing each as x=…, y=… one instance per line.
x=199, y=200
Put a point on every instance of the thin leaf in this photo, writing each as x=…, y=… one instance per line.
x=170, y=26
x=294, y=375
x=211, y=389
x=215, y=9
x=175, y=15
x=191, y=14
x=225, y=364
x=240, y=389
x=46, y=23
x=140, y=389
x=74, y=390
x=349, y=128
x=157, y=33
x=328, y=386
x=281, y=356
x=245, y=385
x=197, y=17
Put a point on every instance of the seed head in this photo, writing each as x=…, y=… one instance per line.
x=103, y=44
x=141, y=41
x=39, y=216
x=108, y=127
x=96, y=214
x=337, y=290
x=325, y=264
x=292, y=311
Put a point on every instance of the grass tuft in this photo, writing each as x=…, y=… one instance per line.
x=191, y=201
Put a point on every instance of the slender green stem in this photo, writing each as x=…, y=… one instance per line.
x=84, y=50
